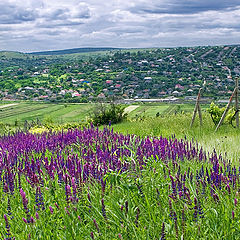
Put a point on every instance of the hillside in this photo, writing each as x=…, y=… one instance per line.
x=123, y=74
x=11, y=54
x=73, y=51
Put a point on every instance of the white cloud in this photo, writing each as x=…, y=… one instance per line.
x=32, y=25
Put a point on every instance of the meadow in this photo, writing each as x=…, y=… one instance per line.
x=59, y=113
x=12, y=112
x=145, y=178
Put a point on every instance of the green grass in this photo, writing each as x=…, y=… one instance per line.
x=136, y=202
x=151, y=109
x=73, y=113
x=56, y=112
x=132, y=204
x=148, y=110
x=225, y=140
x=76, y=112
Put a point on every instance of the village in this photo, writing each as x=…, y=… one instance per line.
x=128, y=76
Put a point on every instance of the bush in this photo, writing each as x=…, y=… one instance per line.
x=217, y=112
x=105, y=114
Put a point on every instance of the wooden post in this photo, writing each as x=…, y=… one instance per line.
x=236, y=104
x=200, y=114
x=197, y=107
x=226, y=110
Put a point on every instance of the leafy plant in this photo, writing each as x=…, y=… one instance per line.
x=104, y=114
x=217, y=112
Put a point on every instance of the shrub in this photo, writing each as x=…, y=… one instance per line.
x=104, y=114
x=217, y=112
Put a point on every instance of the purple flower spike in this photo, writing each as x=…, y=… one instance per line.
x=120, y=236
x=68, y=213
x=51, y=209
x=57, y=206
x=163, y=234
x=23, y=194
x=104, y=210
x=68, y=193
x=7, y=228
x=96, y=225
x=25, y=204
x=5, y=218
x=32, y=220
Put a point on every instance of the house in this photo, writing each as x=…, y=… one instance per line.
x=101, y=96
x=176, y=93
x=179, y=86
x=109, y=81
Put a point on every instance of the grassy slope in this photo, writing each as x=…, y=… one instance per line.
x=146, y=192
x=151, y=109
x=148, y=110
x=56, y=112
x=225, y=140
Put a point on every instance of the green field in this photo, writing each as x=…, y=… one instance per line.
x=163, y=109
x=225, y=141
x=143, y=201
x=55, y=112
x=61, y=113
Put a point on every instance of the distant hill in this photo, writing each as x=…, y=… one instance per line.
x=72, y=51
x=12, y=54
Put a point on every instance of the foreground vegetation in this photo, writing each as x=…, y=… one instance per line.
x=99, y=184
x=149, y=177
x=225, y=141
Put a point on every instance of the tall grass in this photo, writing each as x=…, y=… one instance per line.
x=93, y=184
x=225, y=140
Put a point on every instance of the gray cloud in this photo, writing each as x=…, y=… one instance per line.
x=12, y=14
x=63, y=16
x=48, y=24
x=65, y=13
x=184, y=7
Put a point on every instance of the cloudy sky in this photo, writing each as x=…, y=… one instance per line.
x=34, y=25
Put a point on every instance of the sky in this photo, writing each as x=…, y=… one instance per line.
x=37, y=25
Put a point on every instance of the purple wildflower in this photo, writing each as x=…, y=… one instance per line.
x=25, y=204
x=163, y=234
x=126, y=207
x=96, y=225
x=104, y=210
x=137, y=217
x=51, y=209
x=32, y=220
x=195, y=214
x=25, y=220
x=7, y=228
